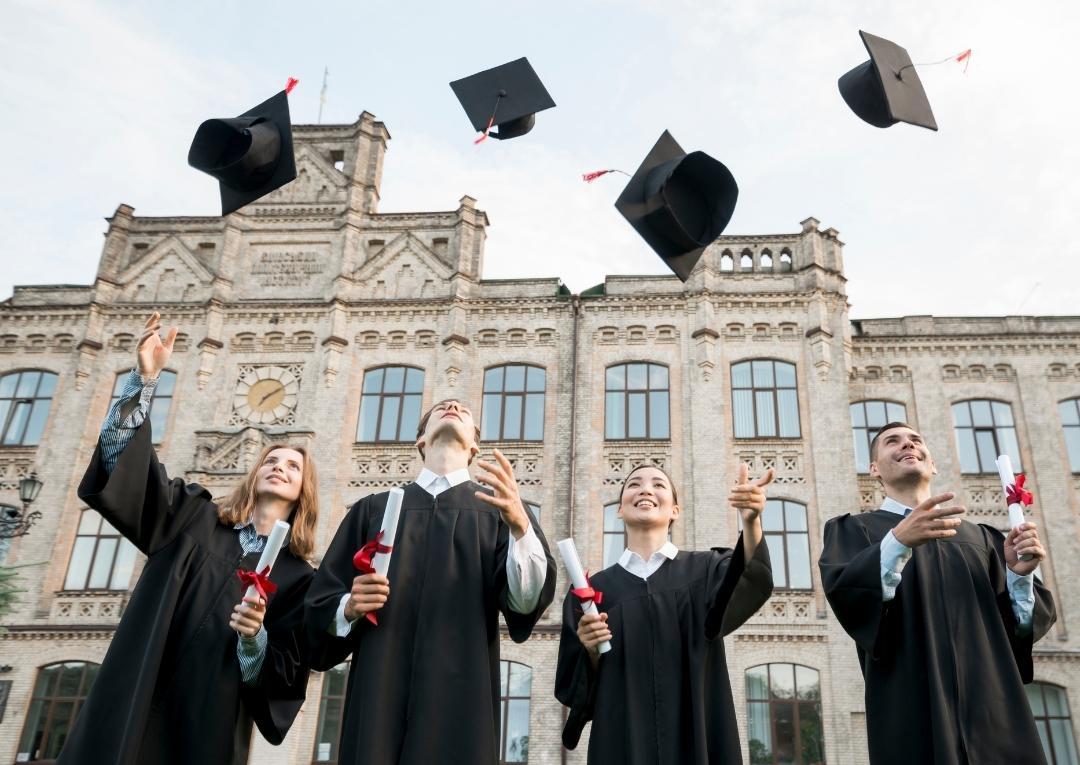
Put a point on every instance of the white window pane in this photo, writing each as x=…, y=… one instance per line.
x=515, y=378
x=782, y=681
x=492, y=417
x=858, y=416
x=794, y=516
x=1002, y=413
x=537, y=380
x=740, y=375
x=517, y=730
x=772, y=519
x=965, y=444
x=636, y=420
x=614, y=416
x=125, y=564
x=980, y=413
x=765, y=415
x=895, y=412
x=410, y=416
x=28, y=384
x=414, y=380
x=760, y=734
x=89, y=523
x=961, y=414
x=613, y=548
x=1055, y=702
x=1072, y=443
x=7, y=385
x=17, y=423
x=36, y=425
x=369, y=412
x=1035, y=699
x=1044, y=737
x=658, y=376
x=658, y=414
x=776, y=556
x=788, y=405
x=1008, y=445
x=1064, y=746
x=512, y=417
x=493, y=380
x=862, y=450
x=785, y=375
x=757, y=683
x=99, y=574
x=616, y=377
x=763, y=374
x=743, y=413
x=520, y=683
x=394, y=381
x=807, y=683
x=875, y=413
x=534, y=417
x=373, y=380
x=612, y=521
x=798, y=561
x=159, y=414
x=81, y=554
x=984, y=440
x=637, y=377
x=388, y=421
x=47, y=385
x=1070, y=412
x=166, y=384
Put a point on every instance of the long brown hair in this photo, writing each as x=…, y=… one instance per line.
x=239, y=506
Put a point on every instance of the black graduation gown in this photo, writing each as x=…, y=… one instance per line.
x=169, y=689
x=943, y=666
x=661, y=696
x=424, y=683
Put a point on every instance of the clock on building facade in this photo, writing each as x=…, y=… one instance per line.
x=266, y=394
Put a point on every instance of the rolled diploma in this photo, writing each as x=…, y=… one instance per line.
x=1016, y=510
x=269, y=553
x=568, y=550
x=381, y=561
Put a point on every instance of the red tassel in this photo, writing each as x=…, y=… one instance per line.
x=590, y=177
x=487, y=130
x=290, y=84
x=964, y=57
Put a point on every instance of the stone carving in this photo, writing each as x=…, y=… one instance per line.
x=621, y=457
x=785, y=459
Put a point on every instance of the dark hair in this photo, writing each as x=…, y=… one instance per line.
x=422, y=426
x=887, y=426
x=674, y=491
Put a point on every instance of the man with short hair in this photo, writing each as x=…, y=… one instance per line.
x=944, y=614
x=424, y=681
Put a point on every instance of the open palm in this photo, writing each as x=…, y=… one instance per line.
x=154, y=352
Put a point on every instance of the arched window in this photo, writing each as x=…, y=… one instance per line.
x=59, y=693
x=727, y=262
x=636, y=401
x=765, y=399
x=1070, y=421
x=101, y=559
x=390, y=404
x=746, y=261
x=783, y=705
x=984, y=429
x=867, y=418
x=159, y=405
x=766, y=259
x=614, y=534
x=513, y=403
x=515, y=689
x=331, y=713
x=786, y=533
x=25, y=398
x=785, y=260
x=1050, y=708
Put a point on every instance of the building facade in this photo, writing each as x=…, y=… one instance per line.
x=364, y=318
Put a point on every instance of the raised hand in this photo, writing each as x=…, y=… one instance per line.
x=153, y=352
x=748, y=497
x=369, y=593
x=247, y=616
x=1024, y=540
x=499, y=476
x=928, y=521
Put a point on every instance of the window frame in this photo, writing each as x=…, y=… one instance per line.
x=867, y=429
x=785, y=534
x=503, y=395
x=1046, y=717
x=1073, y=455
x=995, y=430
x=647, y=391
x=772, y=391
x=771, y=702
x=7, y=418
x=620, y=533
x=50, y=703
x=98, y=536
x=156, y=402
x=324, y=697
x=504, y=708
x=401, y=396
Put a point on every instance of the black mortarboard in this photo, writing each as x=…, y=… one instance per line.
x=508, y=96
x=250, y=155
x=679, y=203
x=886, y=89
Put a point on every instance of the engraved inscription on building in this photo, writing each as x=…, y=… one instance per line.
x=281, y=269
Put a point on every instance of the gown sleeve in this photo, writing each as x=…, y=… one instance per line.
x=138, y=498
x=277, y=694
x=333, y=579
x=520, y=626
x=850, y=567
x=738, y=587
x=575, y=678
x=1043, y=616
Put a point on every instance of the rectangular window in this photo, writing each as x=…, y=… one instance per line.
x=101, y=559
x=636, y=403
x=984, y=429
x=765, y=400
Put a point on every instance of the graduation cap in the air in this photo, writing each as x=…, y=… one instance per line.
x=508, y=96
x=250, y=155
x=886, y=89
x=679, y=203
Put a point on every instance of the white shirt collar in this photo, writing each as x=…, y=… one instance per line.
x=428, y=477
x=669, y=551
x=893, y=506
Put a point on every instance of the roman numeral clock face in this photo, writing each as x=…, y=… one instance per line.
x=266, y=395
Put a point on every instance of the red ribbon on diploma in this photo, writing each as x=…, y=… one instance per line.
x=260, y=581
x=363, y=563
x=587, y=594
x=1017, y=494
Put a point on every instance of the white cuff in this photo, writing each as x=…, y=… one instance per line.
x=340, y=627
x=526, y=571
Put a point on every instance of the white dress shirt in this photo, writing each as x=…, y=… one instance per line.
x=638, y=566
x=895, y=555
x=526, y=562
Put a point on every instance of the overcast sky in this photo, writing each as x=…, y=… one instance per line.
x=100, y=100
